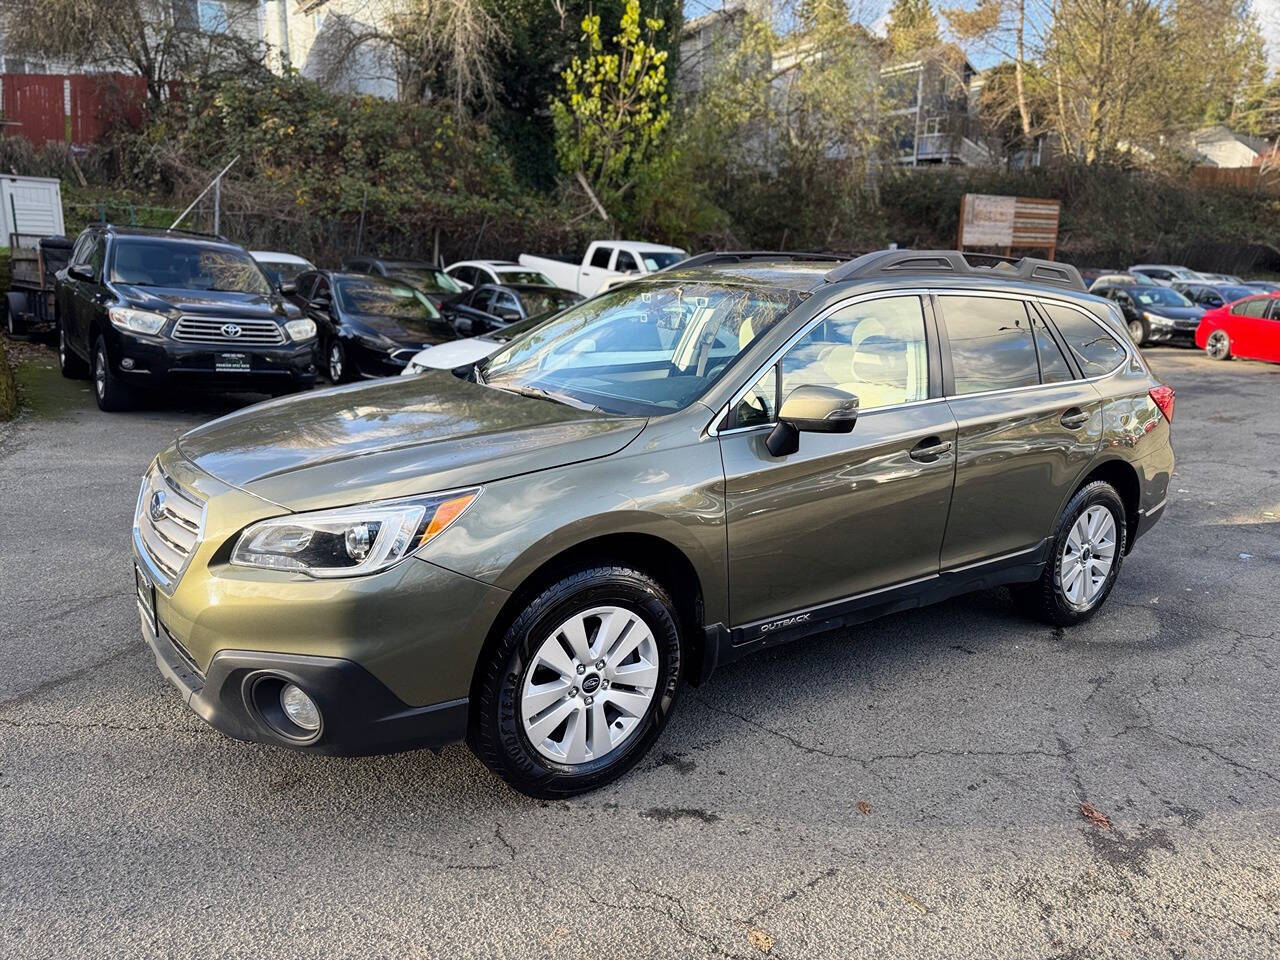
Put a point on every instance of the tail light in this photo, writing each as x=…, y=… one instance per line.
x=1163, y=397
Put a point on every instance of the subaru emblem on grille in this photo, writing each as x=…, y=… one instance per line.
x=231, y=330
x=156, y=507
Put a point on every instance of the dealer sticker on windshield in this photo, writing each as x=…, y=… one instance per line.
x=231, y=363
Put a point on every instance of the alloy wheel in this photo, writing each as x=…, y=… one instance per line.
x=100, y=374
x=1135, y=331
x=335, y=362
x=62, y=347
x=589, y=685
x=1218, y=345
x=1087, y=556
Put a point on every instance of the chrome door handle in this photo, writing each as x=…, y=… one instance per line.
x=1074, y=418
x=930, y=449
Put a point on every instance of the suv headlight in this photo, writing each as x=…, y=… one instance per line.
x=137, y=321
x=350, y=541
x=301, y=329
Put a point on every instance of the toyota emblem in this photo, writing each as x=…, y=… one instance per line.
x=156, y=507
x=231, y=330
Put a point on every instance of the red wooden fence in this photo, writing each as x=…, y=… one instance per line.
x=70, y=108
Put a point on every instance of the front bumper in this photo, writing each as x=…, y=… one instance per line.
x=162, y=362
x=1180, y=333
x=360, y=715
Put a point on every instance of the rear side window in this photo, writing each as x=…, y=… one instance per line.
x=991, y=344
x=1255, y=307
x=1094, y=348
x=1053, y=365
x=601, y=257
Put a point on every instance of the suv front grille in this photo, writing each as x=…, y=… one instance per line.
x=227, y=330
x=167, y=525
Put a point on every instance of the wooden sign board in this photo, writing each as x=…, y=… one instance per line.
x=990, y=220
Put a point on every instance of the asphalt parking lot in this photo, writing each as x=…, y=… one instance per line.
x=951, y=782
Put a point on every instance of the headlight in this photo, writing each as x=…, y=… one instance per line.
x=137, y=321
x=413, y=367
x=301, y=329
x=350, y=541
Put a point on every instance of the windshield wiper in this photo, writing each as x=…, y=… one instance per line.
x=540, y=394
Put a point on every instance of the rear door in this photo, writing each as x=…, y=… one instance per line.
x=1023, y=435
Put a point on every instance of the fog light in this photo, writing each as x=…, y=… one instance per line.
x=299, y=708
x=127, y=363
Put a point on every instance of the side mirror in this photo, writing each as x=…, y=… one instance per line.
x=288, y=287
x=81, y=271
x=320, y=303
x=811, y=409
x=508, y=316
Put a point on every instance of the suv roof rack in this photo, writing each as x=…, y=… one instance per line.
x=955, y=263
x=740, y=256
x=158, y=231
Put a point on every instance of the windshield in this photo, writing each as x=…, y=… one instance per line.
x=1161, y=297
x=282, y=271
x=660, y=261
x=1232, y=292
x=424, y=278
x=547, y=301
x=642, y=350
x=369, y=297
x=524, y=276
x=512, y=330
x=186, y=266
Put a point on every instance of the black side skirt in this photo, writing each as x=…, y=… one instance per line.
x=725, y=644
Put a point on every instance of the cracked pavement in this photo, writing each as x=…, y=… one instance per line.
x=908, y=788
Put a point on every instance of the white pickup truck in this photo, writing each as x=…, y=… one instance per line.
x=605, y=264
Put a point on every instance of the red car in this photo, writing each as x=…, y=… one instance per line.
x=1248, y=328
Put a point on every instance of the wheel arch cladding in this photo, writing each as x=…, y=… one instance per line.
x=660, y=559
x=1124, y=478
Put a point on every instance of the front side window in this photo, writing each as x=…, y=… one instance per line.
x=1095, y=350
x=186, y=266
x=874, y=350
x=626, y=263
x=991, y=344
x=640, y=350
x=760, y=404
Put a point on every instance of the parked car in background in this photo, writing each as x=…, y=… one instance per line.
x=1222, y=278
x=1163, y=274
x=1212, y=295
x=1154, y=313
x=540, y=557
x=1248, y=329
x=368, y=326
x=281, y=268
x=491, y=307
x=154, y=309
x=464, y=353
x=1112, y=280
x=1268, y=286
x=605, y=260
x=431, y=280
x=472, y=273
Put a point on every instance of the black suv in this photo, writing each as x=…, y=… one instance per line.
x=143, y=308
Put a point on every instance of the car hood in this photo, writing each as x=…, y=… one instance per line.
x=456, y=353
x=396, y=437
x=1175, y=313
x=409, y=332
x=217, y=303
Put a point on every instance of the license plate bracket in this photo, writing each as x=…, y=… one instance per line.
x=231, y=363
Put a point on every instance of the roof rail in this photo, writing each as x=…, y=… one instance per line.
x=953, y=262
x=740, y=256
x=110, y=225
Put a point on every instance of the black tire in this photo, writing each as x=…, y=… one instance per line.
x=1139, y=330
x=341, y=373
x=496, y=733
x=72, y=367
x=1218, y=345
x=112, y=395
x=1045, y=599
x=12, y=322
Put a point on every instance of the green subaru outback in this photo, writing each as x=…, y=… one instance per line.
x=536, y=553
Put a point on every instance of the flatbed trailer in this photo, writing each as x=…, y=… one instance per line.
x=30, y=308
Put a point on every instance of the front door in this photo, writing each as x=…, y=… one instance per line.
x=1023, y=438
x=848, y=513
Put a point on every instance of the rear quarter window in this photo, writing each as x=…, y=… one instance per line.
x=1094, y=348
